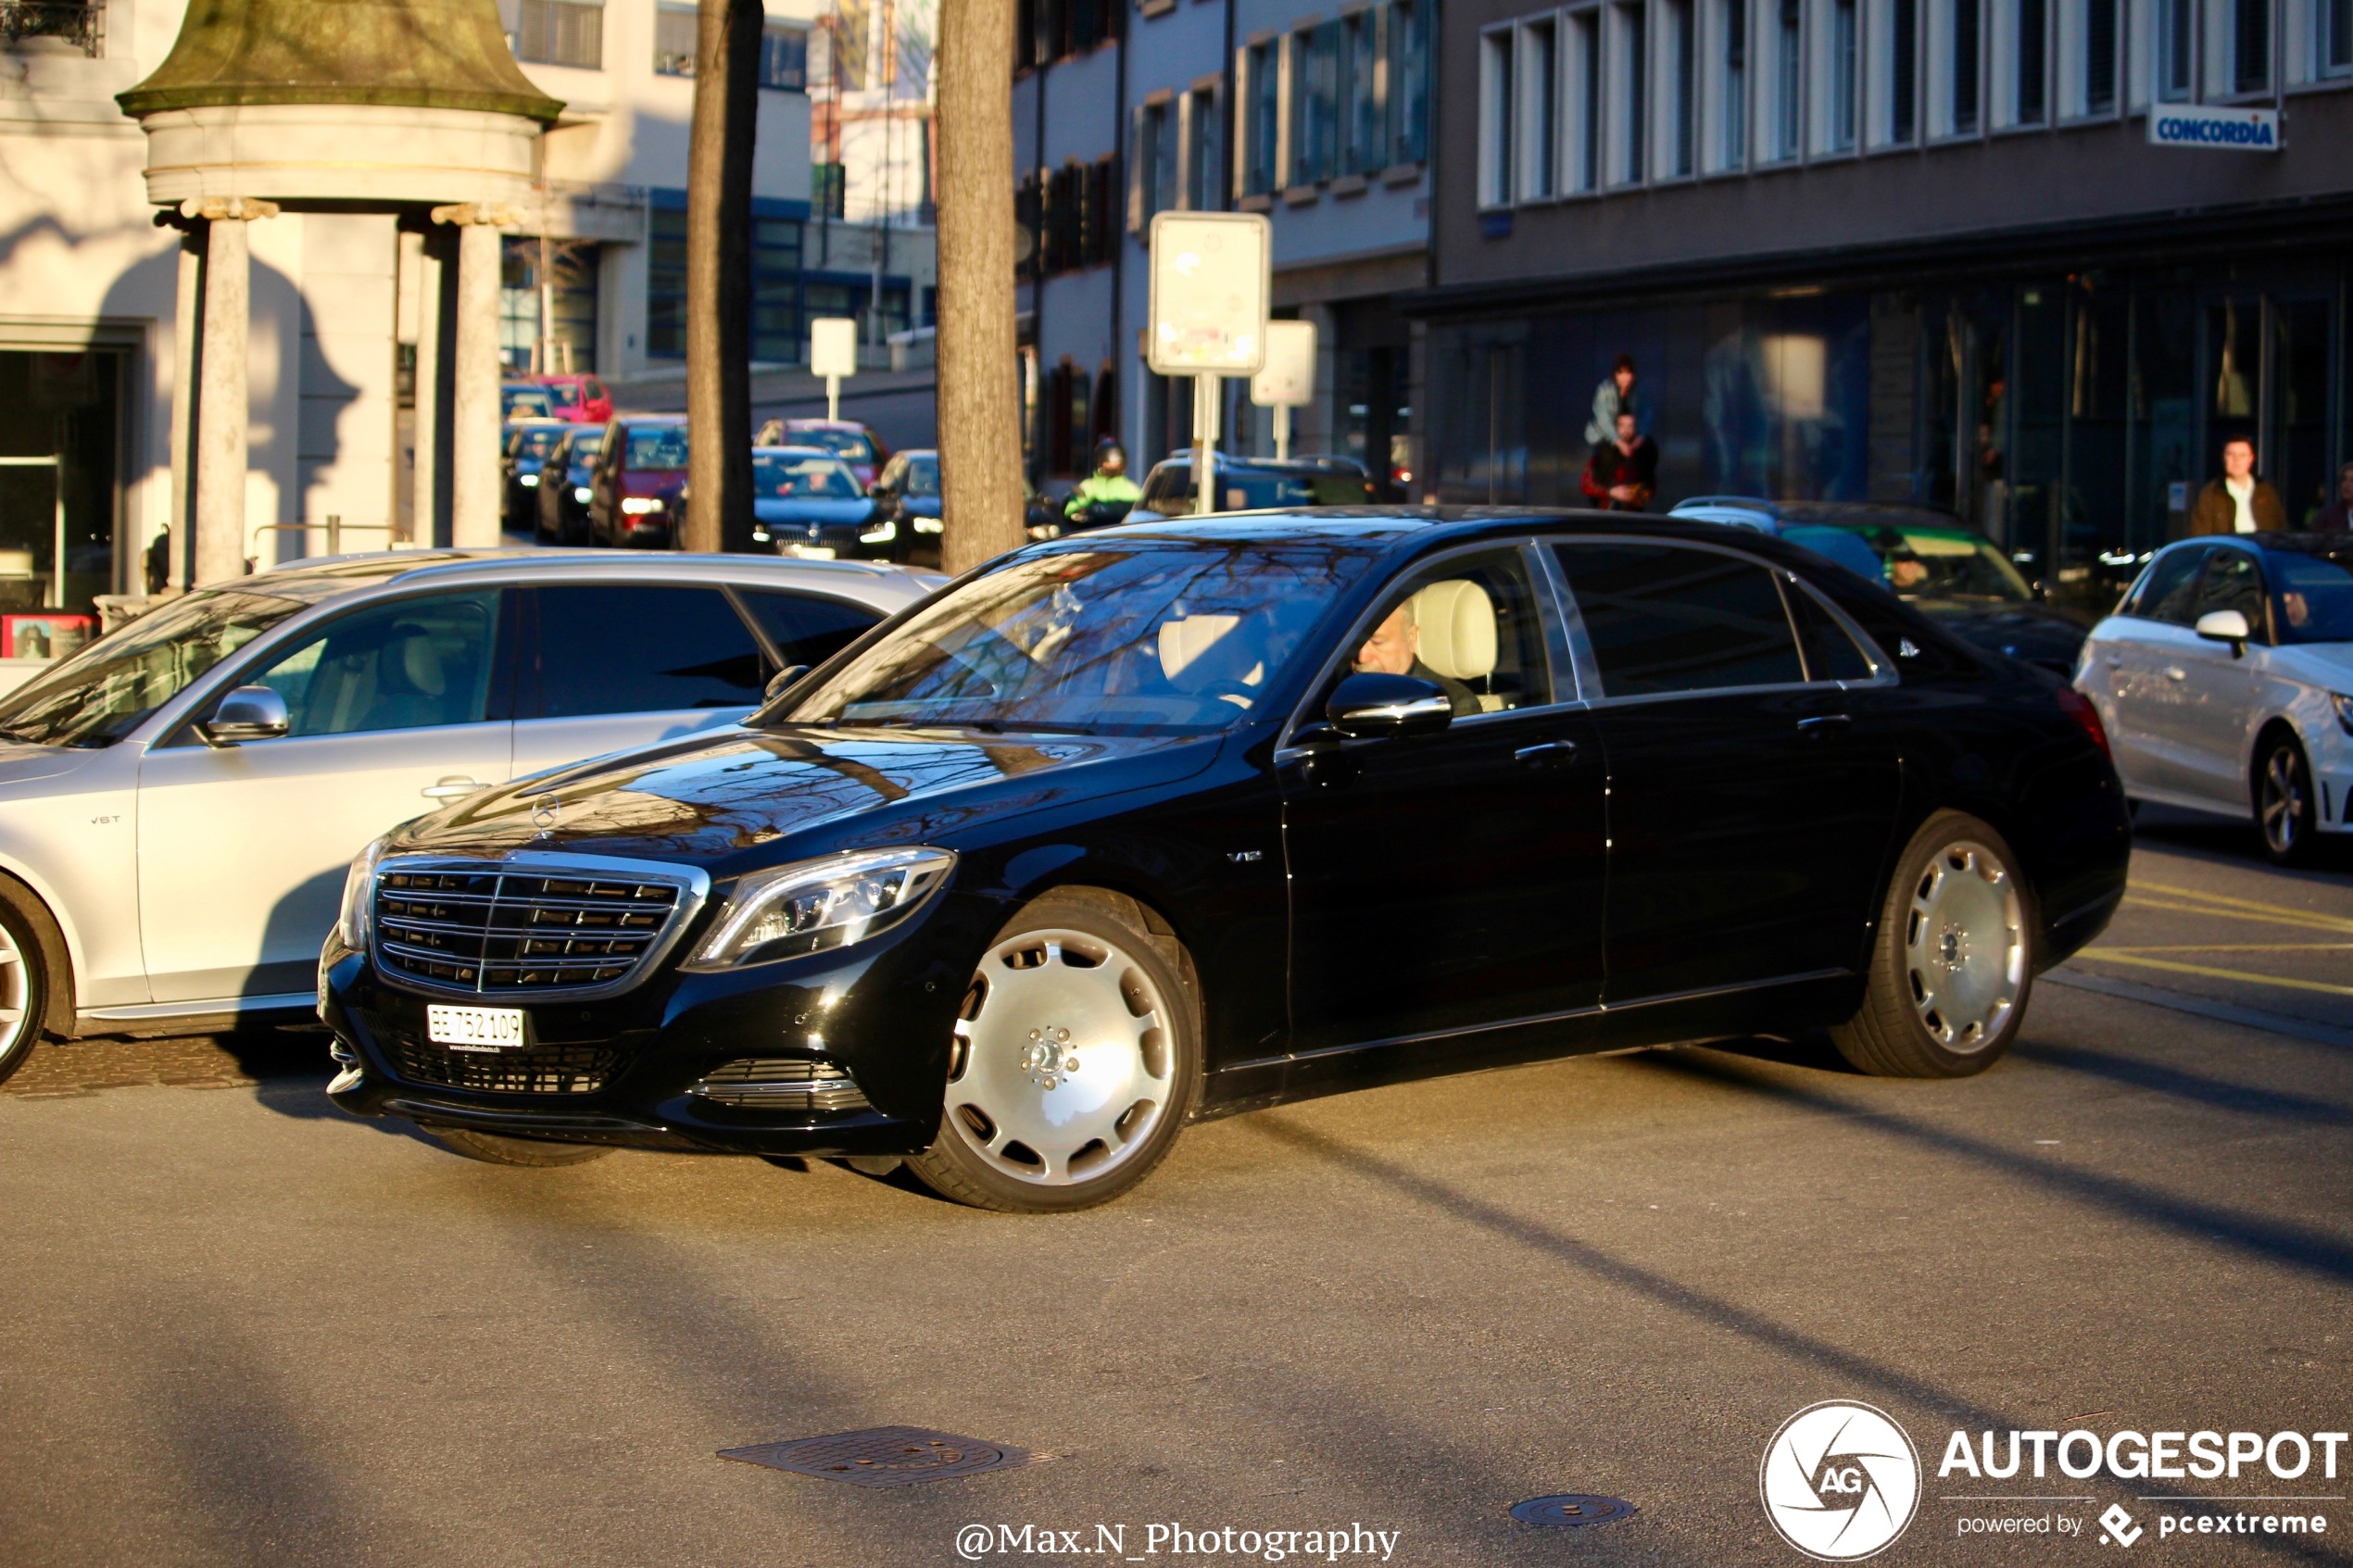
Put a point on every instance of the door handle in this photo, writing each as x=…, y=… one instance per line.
x=1548, y=754
x=1822, y=723
x=2175, y=672
x=455, y=787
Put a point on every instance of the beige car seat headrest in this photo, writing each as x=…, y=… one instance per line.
x=1457, y=622
x=420, y=661
x=1185, y=640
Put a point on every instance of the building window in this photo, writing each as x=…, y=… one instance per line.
x=2031, y=55
x=2176, y=49
x=2333, y=50
x=1966, y=32
x=673, y=40
x=1633, y=93
x=666, y=284
x=566, y=290
x=1682, y=110
x=1735, y=149
x=1789, y=78
x=775, y=291
x=1315, y=103
x=561, y=32
x=1203, y=130
x=829, y=189
x=1495, y=118
x=1902, y=70
x=2099, y=56
x=784, y=58
x=1585, y=112
x=1407, y=107
x=1538, y=109
x=2250, y=45
x=1844, y=43
x=1156, y=158
x=1361, y=151
x=1262, y=126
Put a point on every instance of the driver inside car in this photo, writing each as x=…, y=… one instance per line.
x=1395, y=648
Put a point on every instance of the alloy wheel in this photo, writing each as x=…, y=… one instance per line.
x=1063, y=1061
x=16, y=996
x=2284, y=801
x=1965, y=946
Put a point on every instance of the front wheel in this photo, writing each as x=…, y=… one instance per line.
x=24, y=988
x=1076, y=1061
x=2283, y=802
x=496, y=1148
x=1952, y=962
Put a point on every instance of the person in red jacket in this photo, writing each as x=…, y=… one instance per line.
x=1622, y=474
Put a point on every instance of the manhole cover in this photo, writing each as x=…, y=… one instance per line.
x=886, y=1456
x=1571, y=1507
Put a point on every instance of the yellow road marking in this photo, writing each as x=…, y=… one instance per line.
x=2237, y=947
x=2224, y=901
x=2177, y=968
x=2309, y=923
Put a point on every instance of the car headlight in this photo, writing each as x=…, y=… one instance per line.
x=929, y=525
x=2343, y=705
x=358, y=890
x=530, y=480
x=582, y=494
x=811, y=906
x=638, y=506
x=882, y=533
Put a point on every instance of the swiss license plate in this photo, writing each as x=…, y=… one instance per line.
x=474, y=1029
x=812, y=552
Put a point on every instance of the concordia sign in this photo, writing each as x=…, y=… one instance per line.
x=2196, y=125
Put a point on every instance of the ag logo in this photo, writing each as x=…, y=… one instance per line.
x=1839, y=1480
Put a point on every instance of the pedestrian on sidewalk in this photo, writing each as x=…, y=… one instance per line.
x=1612, y=397
x=1622, y=474
x=2238, y=502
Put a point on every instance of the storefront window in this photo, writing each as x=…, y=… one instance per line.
x=59, y=425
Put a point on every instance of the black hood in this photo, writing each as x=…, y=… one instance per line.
x=2026, y=631
x=729, y=804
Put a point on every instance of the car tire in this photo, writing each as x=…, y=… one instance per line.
x=2284, y=815
x=1076, y=1063
x=1952, y=959
x=497, y=1148
x=25, y=986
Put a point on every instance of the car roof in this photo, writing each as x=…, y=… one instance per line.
x=1307, y=464
x=652, y=419
x=790, y=451
x=1830, y=514
x=2332, y=542
x=1378, y=529
x=317, y=579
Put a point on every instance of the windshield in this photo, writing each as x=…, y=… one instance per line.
x=537, y=440
x=526, y=402
x=922, y=476
x=657, y=446
x=803, y=479
x=101, y=694
x=847, y=445
x=2314, y=597
x=1921, y=564
x=1151, y=639
x=1248, y=489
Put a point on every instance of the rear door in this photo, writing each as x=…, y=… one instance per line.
x=1749, y=806
x=398, y=709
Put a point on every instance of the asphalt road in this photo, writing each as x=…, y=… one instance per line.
x=242, y=1328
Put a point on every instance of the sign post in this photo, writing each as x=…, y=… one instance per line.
x=1287, y=381
x=1211, y=283
x=833, y=354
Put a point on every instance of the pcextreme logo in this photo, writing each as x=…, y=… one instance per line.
x=1839, y=1480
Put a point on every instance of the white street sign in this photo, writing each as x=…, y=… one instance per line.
x=1210, y=286
x=833, y=345
x=1287, y=381
x=2200, y=125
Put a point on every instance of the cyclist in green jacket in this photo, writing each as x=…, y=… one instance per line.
x=1107, y=486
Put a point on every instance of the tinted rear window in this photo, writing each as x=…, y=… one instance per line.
x=807, y=630
x=1661, y=619
x=657, y=446
x=632, y=650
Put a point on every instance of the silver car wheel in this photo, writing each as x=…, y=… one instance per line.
x=1965, y=946
x=16, y=996
x=1063, y=1061
x=2283, y=803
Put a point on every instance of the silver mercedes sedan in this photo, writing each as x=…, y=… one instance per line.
x=179, y=801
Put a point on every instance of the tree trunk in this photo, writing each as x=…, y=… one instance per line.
x=979, y=406
x=719, y=153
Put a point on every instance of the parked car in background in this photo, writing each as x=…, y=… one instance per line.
x=579, y=398
x=1249, y=485
x=529, y=443
x=639, y=473
x=907, y=522
x=525, y=401
x=566, y=486
x=2225, y=680
x=1183, y=817
x=178, y=802
x=854, y=444
x=805, y=502
x=1931, y=559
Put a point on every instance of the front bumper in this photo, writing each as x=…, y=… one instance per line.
x=622, y=1070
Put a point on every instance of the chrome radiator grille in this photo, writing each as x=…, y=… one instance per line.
x=512, y=931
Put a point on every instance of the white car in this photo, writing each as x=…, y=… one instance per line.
x=2223, y=678
x=179, y=801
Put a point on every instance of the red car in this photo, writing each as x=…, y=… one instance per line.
x=640, y=471
x=577, y=399
x=854, y=444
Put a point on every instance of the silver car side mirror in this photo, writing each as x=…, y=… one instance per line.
x=248, y=713
x=2225, y=626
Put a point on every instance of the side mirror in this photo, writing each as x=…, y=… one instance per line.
x=248, y=713
x=2225, y=626
x=1369, y=704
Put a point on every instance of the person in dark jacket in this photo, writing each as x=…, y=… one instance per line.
x=1622, y=475
x=2338, y=513
x=2238, y=502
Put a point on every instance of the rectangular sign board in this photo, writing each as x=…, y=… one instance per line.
x=833, y=345
x=1211, y=283
x=2203, y=125
x=1288, y=379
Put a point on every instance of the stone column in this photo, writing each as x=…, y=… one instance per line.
x=222, y=404
x=474, y=412
x=424, y=514
x=186, y=329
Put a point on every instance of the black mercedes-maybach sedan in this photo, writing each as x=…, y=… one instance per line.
x=1188, y=818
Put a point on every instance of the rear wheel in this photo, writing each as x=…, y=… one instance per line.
x=2284, y=801
x=1075, y=1062
x=496, y=1148
x=1952, y=963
